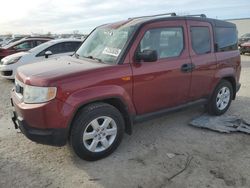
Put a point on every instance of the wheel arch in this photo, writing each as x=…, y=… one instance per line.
x=232, y=80
x=227, y=74
x=117, y=102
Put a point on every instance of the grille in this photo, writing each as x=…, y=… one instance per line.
x=246, y=47
x=6, y=73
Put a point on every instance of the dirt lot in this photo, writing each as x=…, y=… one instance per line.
x=157, y=150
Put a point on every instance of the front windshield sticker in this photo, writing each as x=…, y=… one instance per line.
x=110, y=33
x=111, y=51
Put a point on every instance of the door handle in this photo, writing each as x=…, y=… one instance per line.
x=187, y=67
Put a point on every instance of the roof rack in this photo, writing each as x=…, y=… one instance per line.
x=156, y=15
x=197, y=15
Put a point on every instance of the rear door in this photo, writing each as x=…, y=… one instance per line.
x=161, y=84
x=203, y=58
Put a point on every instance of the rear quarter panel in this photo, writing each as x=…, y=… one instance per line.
x=228, y=65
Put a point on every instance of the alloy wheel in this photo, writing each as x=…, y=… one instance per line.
x=100, y=134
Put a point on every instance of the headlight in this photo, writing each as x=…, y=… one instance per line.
x=34, y=94
x=11, y=61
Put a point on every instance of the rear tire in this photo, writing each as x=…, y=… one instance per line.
x=97, y=131
x=221, y=98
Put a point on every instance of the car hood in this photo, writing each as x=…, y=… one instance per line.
x=19, y=54
x=44, y=73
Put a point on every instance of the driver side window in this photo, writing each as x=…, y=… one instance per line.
x=55, y=49
x=167, y=42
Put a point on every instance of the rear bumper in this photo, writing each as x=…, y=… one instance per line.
x=54, y=137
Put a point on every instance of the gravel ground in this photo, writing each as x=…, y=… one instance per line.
x=156, y=151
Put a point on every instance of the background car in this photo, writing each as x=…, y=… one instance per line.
x=244, y=38
x=12, y=40
x=245, y=48
x=4, y=40
x=51, y=49
x=1, y=41
x=22, y=45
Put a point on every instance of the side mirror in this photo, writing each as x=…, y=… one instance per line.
x=147, y=56
x=47, y=54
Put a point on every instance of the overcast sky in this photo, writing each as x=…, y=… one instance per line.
x=65, y=16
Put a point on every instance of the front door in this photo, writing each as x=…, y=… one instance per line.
x=164, y=83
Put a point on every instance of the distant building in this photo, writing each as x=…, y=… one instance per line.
x=243, y=25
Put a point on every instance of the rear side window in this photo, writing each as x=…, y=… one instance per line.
x=226, y=39
x=201, y=40
x=168, y=42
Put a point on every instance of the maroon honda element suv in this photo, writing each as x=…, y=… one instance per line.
x=126, y=72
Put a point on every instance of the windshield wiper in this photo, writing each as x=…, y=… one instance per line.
x=94, y=58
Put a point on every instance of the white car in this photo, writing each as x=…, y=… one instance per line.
x=51, y=49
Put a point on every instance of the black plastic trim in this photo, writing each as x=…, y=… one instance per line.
x=152, y=115
x=6, y=73
x=53, y=137
x=238, y=85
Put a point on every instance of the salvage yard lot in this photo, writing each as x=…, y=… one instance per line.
x=156, y=151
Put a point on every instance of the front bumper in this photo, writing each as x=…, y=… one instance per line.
x=54, y=137
x=45, y=123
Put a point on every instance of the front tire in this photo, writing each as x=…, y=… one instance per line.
x=97, y=131
x=221, y=98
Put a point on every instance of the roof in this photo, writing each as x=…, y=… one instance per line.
x=138, y=21
x=38, y=37
x=66, y=40
x=214, y=22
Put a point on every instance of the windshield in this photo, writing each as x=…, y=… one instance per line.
x=105, y=44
